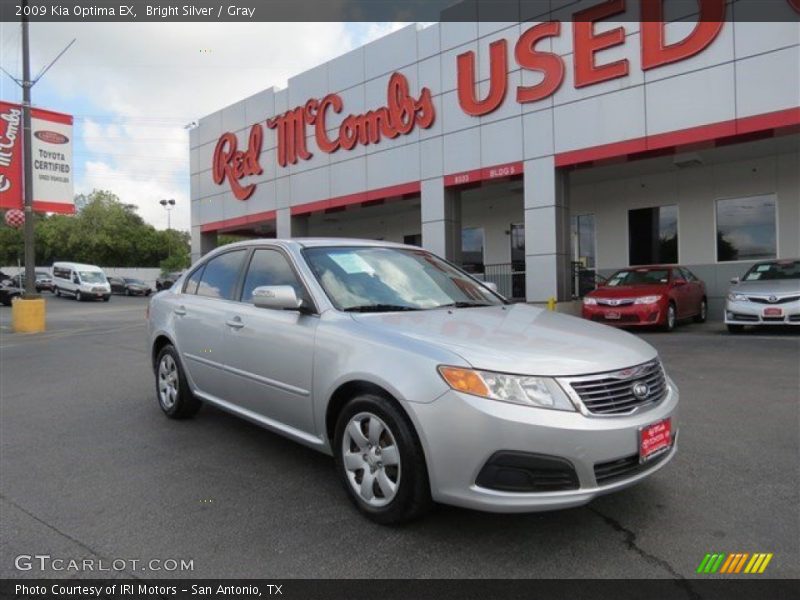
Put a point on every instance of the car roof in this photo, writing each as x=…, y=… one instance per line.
x=318, y=242
x=71, y=265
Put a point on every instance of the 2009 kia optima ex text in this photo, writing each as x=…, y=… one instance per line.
x=422, y=382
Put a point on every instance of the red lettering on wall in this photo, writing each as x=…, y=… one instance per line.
x=399, y=117
x=233, y=165
x=498, y=75
x=550, y=64
x=655, y=52
x=587, y=43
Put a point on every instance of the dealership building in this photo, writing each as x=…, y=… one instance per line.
x=533, y=153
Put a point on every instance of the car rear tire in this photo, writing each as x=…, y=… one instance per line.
x=735, y=328
x=57, y=292
x=380, y=460
x=127, y=292
x=703, y=314
x=172, y=391
x=106, y=298
x=671, y=318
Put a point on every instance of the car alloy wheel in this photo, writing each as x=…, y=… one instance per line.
x=78, y=296
x=167, y=382
x=371, y=458
x=669, y=325
x=703, y=314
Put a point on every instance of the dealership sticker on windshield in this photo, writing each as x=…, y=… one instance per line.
x=654, y=439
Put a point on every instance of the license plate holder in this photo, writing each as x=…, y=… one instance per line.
x=772, y=311
x=654, y=439
x=613, y=315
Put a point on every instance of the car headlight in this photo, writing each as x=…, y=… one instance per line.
x=590, y=301
x=647, y=300
x=541, y=392
x=734, y=297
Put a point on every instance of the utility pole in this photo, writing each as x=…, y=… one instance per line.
x=168, y=204
x=27, y=84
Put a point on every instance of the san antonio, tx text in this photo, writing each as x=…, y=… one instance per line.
x=97, y=591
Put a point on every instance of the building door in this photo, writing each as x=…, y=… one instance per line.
x=517, y=260
x=583, y=255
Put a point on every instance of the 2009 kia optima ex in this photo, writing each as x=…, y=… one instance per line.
x=422, y=382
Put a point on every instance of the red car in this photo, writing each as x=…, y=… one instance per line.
x=648, y=296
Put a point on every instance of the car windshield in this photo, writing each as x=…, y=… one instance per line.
x=789, y=269
x=135, y=281
x=380, y=279
x=92, y=277
x=638, y=277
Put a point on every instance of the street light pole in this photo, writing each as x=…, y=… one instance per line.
x=30, y=254
x=168, y=204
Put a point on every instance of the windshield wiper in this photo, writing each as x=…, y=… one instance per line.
x=463, y=304
x=380, y=308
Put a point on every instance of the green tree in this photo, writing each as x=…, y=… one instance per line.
x=104, y=232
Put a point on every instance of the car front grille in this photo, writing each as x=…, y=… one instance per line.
x=98, y=289
x=615, y=301
x=623, y=468
x=613, y=393
x=784, y=300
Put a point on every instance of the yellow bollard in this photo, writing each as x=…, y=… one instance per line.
x=551, y=303
x=28, y=315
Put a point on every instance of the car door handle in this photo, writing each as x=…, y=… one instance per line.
x=235, y=322
x=180, y=311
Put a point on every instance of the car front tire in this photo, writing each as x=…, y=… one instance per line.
x=78, y=296
x=380, y=461
x=172, y=390
x=671, y=318
x=57, y=292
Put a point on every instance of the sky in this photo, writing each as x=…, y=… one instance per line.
x=133, y=87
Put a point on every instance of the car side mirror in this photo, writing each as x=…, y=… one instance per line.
x=735, y=280
x=277, y=297
x=491, y=285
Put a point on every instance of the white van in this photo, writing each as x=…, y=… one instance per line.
x=80, y=281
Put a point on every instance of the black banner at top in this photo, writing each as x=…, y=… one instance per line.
x=208, y=11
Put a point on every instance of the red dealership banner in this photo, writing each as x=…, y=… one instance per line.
x=51, y=146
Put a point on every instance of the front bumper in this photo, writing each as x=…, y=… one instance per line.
x=460, y=433
x=631, y=315
x=755, y=313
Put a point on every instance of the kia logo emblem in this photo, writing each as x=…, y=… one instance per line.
x=640, y=390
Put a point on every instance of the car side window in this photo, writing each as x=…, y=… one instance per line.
x=270, y=267
x=689, y=275
x=220, y=275
x=190, y=287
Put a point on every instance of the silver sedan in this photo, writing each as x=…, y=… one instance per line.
x=768, y=294
x=422, y=382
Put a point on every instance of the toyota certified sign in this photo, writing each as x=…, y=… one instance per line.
x=51, y=157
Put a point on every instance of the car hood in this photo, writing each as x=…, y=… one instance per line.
x=518, y=338
x=774, y=286
x=629, y=291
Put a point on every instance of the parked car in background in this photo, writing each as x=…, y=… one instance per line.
x=44, y=282
x=8, y=293
x=129, y=286
x=166, y=280
x=768, y=294
x=423, y=383
x=83, y=282
x=648, y=296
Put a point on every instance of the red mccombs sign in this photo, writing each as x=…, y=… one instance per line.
x=403, y=112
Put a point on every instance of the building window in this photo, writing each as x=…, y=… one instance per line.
x=583, y=241
x=413, y=240
x=472, y=249
x=653, y=235
x=746, y=228
x=518, y=246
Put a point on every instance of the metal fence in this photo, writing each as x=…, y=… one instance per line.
x=510, y=281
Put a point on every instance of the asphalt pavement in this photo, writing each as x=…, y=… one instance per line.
x=91, y=469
